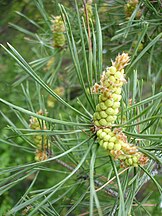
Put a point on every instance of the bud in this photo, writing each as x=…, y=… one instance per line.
x=103, y=122
x=58, y=29
x=110, y=111
x=109, y=103
x=112, y=70
x=121, y=61
x=107, y=130
x=97, y=123
x=40, y=141
x=116, y=105
x=110, y=119
x=41, y=155
x=107, y=138
x=99, y=132
x=103, y=114
x=103, y=106
x=102, y=135
x=102, y=98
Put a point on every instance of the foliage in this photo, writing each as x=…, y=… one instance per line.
x=52, y=163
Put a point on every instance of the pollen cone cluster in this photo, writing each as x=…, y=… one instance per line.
x=58, y=29
x=40, y=141
x=114, y=141
x=110, y=86
x=117, y=146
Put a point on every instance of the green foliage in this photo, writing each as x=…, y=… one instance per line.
x=72, y=173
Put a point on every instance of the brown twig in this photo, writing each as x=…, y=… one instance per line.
x=111, y=180
x=146, y=205
x=64, y=165
x=86, y=213
x=109, y=191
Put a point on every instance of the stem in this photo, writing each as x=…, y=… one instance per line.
x=109, y=191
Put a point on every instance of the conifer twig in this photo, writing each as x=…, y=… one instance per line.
x=109, y=191
x=104, y=185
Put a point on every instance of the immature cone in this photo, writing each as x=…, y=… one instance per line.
x=58, y=29
x=111, y=82
x=41, y=155
x=114, y=141
x=117, y=146
x=41, y=141
x=35, y=124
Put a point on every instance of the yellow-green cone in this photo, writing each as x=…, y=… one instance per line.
x=40, y=141
x=41, y=155
x=117, y=146
x=114, y=141
x=58, y=29
x=110, y=86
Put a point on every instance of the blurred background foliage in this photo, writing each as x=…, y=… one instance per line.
x=58, y=72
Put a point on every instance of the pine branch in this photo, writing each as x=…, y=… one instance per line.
x=107, y=190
